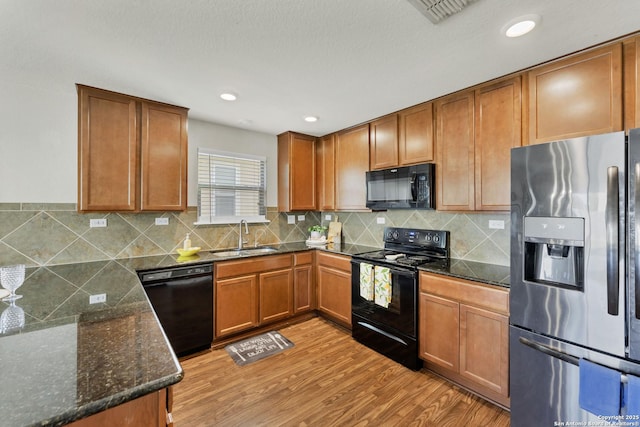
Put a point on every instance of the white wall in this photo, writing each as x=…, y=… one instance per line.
x=39, y=144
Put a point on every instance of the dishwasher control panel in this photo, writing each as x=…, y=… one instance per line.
x=175, y=272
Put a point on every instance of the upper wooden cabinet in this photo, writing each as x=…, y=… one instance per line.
x=325, y=173
x=631, y=82
x=476, y=130
x=401, y=139
x=498, y=128
x=296, y=172
x=132, y=153
x=351, y=163
x=576, y=96
x=455, y=156
x=415, y=134
x=383, y=142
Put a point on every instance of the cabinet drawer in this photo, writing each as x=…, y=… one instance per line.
x=300, y=258
x=339, y=262
x=472, y=293
x=252, y=265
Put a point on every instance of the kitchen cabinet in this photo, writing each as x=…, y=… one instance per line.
x=464, y=333
x=455, y=167
x=476, y=130
x=576, y=96
x=151, y=410
x=252, y=292
x=303, y=282
x=325, y=173
x=296, y=172
x=415, y=134
x=333, y=277
x=383, y=142
x=351, y=163
x=132, y=153
x=631, y=81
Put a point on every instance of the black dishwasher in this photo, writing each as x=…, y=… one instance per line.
x=182, y=298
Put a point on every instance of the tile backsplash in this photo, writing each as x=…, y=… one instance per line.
x=50, y=233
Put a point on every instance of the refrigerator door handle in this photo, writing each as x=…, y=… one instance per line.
x=636, y=249
x=611, y=219
x=550, y=351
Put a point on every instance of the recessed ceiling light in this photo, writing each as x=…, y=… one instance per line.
x=311, y=119
x=228, y=96
x=520, y=26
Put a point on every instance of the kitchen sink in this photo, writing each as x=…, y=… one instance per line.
x=243, y=252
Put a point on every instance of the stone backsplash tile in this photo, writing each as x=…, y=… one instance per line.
x=40, y=234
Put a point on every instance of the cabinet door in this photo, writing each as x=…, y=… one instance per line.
x=352, y=161
x=296, y=172
x=498, y=115
x=383, y=142
x=415, y=134
x=276, y=295
x=484, y=348
x=334, y=293
x=325, y=173
x=163, y=163
x=631, y=82
x=576, y=96
x=107, y=151
x=439, y=331
x=236, y=304
x=302, y=289
x=454, y=149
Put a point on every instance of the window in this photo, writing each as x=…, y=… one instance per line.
x=231, y=187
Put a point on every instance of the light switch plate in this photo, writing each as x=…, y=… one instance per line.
x=300, y=217
x=291, y=219
x=380, y=220
x=496, y=224
x=98, y=222
x=162, y=221
x=98, y=298
x=327, y=217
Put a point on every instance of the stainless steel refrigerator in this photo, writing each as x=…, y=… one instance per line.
x=575, y=293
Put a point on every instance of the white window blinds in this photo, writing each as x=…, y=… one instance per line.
x=231, y=187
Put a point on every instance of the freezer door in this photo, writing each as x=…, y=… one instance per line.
x=633, y=263
x=568, y=240
x=545, y=380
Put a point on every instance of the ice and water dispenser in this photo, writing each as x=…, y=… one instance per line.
x=554, y=251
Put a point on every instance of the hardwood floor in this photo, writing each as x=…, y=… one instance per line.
x=327, y=379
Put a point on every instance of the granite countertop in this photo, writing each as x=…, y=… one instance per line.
x=490, y=274
x=71, y=359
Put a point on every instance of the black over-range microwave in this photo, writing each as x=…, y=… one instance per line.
x=406, y=187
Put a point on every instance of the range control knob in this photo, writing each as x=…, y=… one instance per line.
x=436, y=239
x=428, y=237
x=395, y=234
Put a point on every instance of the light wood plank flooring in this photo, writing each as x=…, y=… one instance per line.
x=327, y=379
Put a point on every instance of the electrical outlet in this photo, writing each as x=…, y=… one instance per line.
x=291, y=219
x=98, y=222
x=380, y=220
x=98, y=298
x=496, y=224
x=162, y=221
x=300, y=217
x=327, y=217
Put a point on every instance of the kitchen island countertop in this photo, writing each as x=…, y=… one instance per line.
x=71, y=359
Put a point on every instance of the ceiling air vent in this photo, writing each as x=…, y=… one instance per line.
x=439, y=10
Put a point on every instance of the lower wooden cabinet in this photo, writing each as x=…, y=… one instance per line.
x=464, y=333
x=303, y=282
x=151, y=410
x=333, y=276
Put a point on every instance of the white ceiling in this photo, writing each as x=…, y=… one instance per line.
x=346, y=61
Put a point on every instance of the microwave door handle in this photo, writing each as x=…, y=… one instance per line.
x=611, y=220
x=414, y=190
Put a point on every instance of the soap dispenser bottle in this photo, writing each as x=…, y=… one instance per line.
x=187, y=243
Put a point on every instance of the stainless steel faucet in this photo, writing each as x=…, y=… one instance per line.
x=241, y=242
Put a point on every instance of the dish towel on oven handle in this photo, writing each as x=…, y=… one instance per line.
x=366, y=281
x=382, y=285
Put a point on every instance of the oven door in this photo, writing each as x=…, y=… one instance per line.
x=401, y=313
